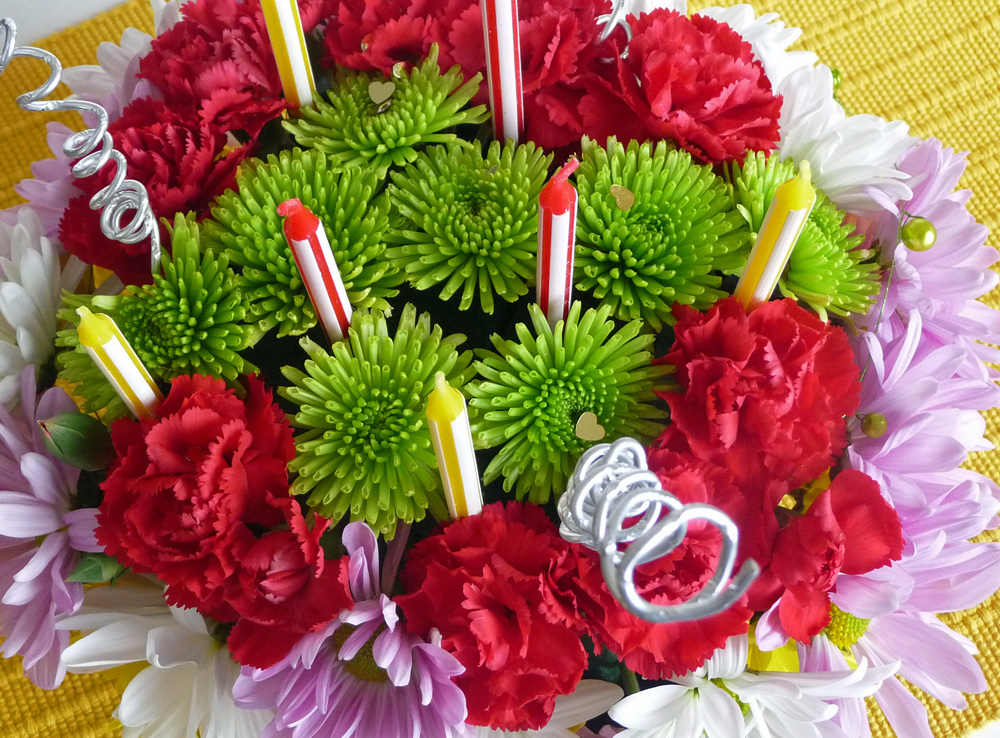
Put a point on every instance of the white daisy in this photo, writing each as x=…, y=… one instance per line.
x=853, y=157
x=187, y=691
x=592, y=697
x=31, y=286
x=722, y=699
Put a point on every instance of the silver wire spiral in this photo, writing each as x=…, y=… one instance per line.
x=612, y=20
x=126, y=216
x=611, y=485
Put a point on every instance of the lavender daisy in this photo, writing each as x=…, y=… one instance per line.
x=362, y=674
x=40, y=536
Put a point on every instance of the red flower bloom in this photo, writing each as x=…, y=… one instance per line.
x=284, y=590
x=489, y=584
x=659, y=650
x=217, y=62
x=182, y=162
x=693, y=80
x=763, y=394
x=849, y=529
x=558, y=42
x=187, y=488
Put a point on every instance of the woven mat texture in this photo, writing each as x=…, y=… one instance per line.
x=933, y=64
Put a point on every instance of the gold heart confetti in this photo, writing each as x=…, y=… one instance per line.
x=624, y=197
x=381, y=91
x=588, y=429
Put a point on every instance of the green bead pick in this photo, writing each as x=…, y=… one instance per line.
x=469, y=222
x=874, y=425
x=918, y=234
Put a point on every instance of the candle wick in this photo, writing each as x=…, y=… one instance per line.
x=567, y=169
x=290, y=207
x=805, y=171
x=440, y=382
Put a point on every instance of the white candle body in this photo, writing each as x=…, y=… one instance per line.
x=503, y=68
x=118, y=365
x=454, y=441
x=554, y=276
x=323, y=282
x=284, y=28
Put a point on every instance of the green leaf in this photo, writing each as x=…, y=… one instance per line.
x=96, y=568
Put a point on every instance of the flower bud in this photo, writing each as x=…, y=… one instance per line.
x=79, y=440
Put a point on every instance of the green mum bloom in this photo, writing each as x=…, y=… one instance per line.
x=356, y=131
x=191, y=319
x=668, y=246
x=827, y=270
x=470, y=222
x=94, y=392
x=247, y=226
x=535, y=390
x=365, y=445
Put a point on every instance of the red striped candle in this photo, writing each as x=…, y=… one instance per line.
x=503, y=68
x=556, y=240
x=314, y=258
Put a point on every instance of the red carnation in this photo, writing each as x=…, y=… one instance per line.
x=849, y=529
x=490, y=584
x=764, y=394
x=217, y=63
x=693, y=80
x=558, y=42
x=660, y=650
x=189, y=487
x=284, y=590
x=183, y=164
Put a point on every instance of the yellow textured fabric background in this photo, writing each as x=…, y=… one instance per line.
x=933, y=64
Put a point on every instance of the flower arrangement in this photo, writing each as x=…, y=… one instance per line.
x=252, y=507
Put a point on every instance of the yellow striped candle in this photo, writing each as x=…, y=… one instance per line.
x=783, y=224
x=113, y=355
x=284, y=28
x=452, y=435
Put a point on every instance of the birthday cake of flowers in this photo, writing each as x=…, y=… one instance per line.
x=270, y=538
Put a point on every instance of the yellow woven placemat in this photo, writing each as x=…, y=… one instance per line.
x=935, y=65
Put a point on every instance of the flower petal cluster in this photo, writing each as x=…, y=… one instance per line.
x=558, y=43
x=498, y=588
x=362, y=674
x=183, y=163
x=944, y=282
x=469, y=221
x=186, y=691
x=668, y=246
x=693, y=80
x=40, y=536
x=365, y=446
x=763, y=394
x=245, y=223
x=30, y=295
x=723, y=696
x=534, y=390
x=185, y=500
x=355, y=131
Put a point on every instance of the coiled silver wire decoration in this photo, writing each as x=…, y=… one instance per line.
x=126, y=216
x=612, y=20
x=611, y=485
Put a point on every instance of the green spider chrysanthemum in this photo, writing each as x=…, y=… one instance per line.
x=470, y=222
x=94, y=392
x=191, y=320
x=365, y=447
x=827, y=269
x=247, y=226
x=418, y=107
x=535, y=390
x=665, y=248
